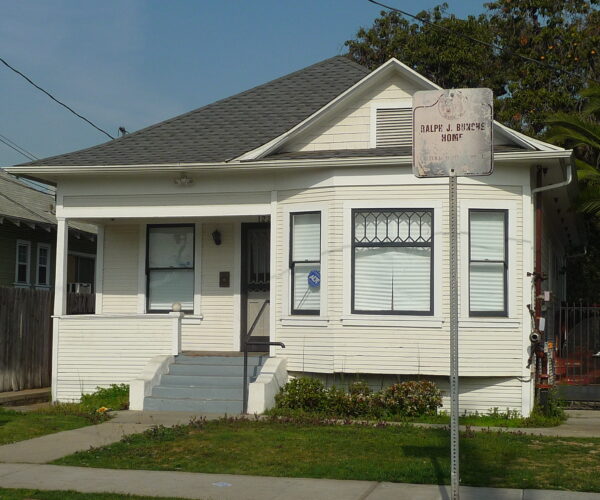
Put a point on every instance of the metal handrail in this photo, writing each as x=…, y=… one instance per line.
x=246, y=344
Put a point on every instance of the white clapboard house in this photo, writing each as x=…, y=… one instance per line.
x=292, y=208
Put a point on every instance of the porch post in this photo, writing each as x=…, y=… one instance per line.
x=60, y=279
x=99, y=272
x=60, y=294
x=176, y=332
x=274, y=274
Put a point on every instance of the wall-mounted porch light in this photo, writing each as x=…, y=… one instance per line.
x=216, y=236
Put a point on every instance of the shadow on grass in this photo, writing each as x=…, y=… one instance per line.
x=434, y=453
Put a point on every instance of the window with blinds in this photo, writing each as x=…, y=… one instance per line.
x=305, y=262
x=393, y=127
x=392, y=264
x=170, y=267
x=488, y=262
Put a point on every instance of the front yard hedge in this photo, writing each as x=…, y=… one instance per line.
x=404, y=399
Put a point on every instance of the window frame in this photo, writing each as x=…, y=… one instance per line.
x=490, y=314
x=148, y=268
x=48, y=247
x=354, y=245
x=291, y=263
x=26, y=244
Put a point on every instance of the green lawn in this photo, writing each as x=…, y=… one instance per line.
x=377, y=453
x=12, y=494
x=17, y=426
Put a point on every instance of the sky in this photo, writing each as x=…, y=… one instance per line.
x=133, y=63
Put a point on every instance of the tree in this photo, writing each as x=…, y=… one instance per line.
x=581, y=132
x=562, y=33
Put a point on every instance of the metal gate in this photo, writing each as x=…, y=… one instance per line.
x=577, y=365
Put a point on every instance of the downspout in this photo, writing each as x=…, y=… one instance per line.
x=541, y=363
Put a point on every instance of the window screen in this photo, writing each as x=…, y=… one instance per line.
x=170, y=258
x=392, y=261
x=305, y=262
x=487, y=262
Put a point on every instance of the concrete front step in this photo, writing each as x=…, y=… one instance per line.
x=213, y=370
x=196, y=392
x=204, y=384
x=152, y=403
x=219, y=360
x=203, y=380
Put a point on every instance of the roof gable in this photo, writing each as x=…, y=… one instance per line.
x=348, y=121
x=228, y=128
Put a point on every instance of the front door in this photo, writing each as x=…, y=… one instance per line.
x=255, y=286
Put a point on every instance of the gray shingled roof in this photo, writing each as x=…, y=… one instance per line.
x=227, y=128
x=22, y=203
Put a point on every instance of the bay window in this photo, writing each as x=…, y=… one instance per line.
x=170, y=267
x=488, y=264
x=392, y=261
x=305, y=262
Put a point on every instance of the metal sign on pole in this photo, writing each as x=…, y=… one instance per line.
x=452, y=137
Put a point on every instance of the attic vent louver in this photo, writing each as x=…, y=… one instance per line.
x=394, y=127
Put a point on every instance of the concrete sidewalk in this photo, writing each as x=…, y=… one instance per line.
x=47, y=448
x=234, y=487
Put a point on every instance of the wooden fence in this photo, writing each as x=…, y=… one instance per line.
x=26, y=335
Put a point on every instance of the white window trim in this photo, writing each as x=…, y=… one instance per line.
x=37, y=265
x=317, y=320
x=28, y=279
x=439, y=243
x=405, y=102
x=513, y=318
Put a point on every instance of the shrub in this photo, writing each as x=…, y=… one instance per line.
x=412, y=399
x=406, y=399
x=303, y=393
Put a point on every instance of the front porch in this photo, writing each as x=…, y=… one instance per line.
x=186, y=284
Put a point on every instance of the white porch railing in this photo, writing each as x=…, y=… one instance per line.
x=99, y=350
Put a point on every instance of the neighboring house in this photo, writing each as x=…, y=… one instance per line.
x=300, y=191
x=28, y=240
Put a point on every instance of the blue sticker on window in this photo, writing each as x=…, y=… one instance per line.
x=314, y=278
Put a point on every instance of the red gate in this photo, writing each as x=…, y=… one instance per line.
x=577, y=347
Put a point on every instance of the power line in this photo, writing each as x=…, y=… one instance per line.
x=21, y=149
x=481, y=42
x=32, y=158
x=54, y=98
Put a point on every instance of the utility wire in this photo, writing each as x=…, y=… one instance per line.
x=22, y=150
x=481, y=42
x=54, y=98
x=32, y=158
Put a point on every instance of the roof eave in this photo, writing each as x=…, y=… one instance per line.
x=40, y=172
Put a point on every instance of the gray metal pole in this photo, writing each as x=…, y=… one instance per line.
x=454, y=408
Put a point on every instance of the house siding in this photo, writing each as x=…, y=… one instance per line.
x=10, y=233
x=120, y=277
x=99, y=351
x=215, y=332
x=351, y=126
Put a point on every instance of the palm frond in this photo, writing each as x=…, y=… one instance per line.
x=573, y=128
